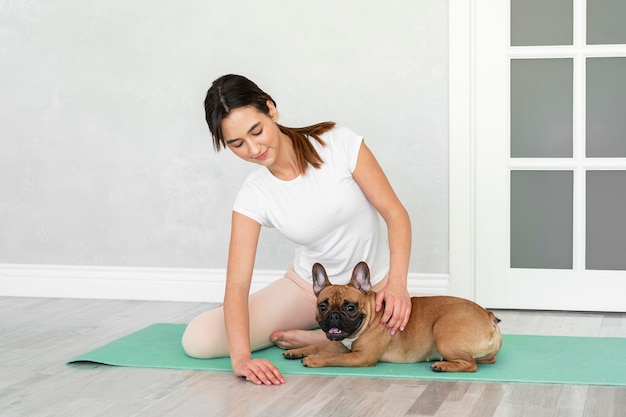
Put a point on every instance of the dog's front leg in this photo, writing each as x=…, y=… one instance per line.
x=352, y=359
x=324, y=348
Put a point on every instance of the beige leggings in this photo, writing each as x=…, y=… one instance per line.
x=285, y=304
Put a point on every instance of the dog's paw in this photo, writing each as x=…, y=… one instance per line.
x=439, y=366
x=436, y=367
x=292, y=354
x=312, y=362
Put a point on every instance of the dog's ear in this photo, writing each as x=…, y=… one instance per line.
x=320, y=279
x=361, y=278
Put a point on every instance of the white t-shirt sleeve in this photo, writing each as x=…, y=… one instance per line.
x=348, y=144
x=250, y=202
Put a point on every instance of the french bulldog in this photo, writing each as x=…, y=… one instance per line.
x=454, y=332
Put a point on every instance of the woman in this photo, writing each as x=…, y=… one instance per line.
x=322, y=188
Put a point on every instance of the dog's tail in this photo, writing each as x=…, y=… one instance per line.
x=493, y=318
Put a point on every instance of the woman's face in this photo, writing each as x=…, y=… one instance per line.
x=252, y=135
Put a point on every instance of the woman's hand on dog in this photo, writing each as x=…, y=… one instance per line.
x=397, y=304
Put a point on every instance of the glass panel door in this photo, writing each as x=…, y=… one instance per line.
x=605, y=22
x=542, y=212
x=606, y=220
x=542, y=22
x=542, y=126
x=606, y=107
x=542, y=108
x=550, y=154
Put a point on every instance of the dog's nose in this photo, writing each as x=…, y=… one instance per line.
x=334, y=316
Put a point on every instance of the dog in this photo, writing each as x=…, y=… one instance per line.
x=454, y=332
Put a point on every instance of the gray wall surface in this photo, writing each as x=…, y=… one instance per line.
x=105, y=158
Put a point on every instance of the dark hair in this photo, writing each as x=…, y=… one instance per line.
x=232, y=91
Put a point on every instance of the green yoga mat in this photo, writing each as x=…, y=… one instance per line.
x=530, y=359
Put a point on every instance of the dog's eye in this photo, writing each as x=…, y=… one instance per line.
x=322, y=307
x=350, y=307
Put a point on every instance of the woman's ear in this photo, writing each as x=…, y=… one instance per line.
x=273, y=110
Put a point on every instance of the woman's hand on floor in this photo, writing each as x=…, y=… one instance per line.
x=259, y=372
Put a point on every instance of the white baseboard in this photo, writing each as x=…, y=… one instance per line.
x=155, y=284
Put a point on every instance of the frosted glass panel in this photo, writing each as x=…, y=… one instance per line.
x=606, y=220
x=542, y=108
x=605, y=22
x=542, y=219
x=541, y=22
x=606, y=107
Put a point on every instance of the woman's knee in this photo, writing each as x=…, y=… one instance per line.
x=205, y=337
x=191, y=343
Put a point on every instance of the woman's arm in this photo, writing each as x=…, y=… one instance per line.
x=241, y=254
x=372, y=180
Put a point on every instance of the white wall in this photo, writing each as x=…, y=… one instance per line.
x=105, y=158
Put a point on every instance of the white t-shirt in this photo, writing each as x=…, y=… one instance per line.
x=324, y=212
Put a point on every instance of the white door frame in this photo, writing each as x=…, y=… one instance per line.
x=462, y=182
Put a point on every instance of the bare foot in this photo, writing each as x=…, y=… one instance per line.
x=294, y=339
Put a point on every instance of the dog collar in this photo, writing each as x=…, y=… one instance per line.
x=348, y=342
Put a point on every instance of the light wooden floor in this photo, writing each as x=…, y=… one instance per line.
x=39, y=335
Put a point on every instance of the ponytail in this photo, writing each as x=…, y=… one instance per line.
x=305, y=151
